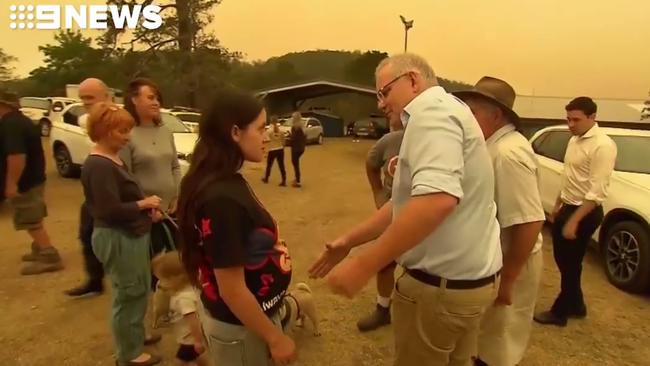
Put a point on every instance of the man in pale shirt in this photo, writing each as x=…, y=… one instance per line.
x=506, y=326
x=588, y=165
x=440, y=224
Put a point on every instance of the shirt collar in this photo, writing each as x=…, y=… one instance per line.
x=417, y=102
x=592, y=132
x=500, y=133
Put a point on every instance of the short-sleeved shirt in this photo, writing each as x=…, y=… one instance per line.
x=182, y=303
x=275, y=140
x=237, y=231
x=443, y=151
x=383, y=155
x=516, y=189
x=18, y=136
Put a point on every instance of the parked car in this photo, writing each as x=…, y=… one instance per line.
x=313, y=129
x=374, y=126
x=42, y=111
x=624, y=236
x=71, y=144
x=190, y=119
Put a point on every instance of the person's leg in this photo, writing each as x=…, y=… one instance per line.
x=29, y=212
x=270, y=157
x=94, y=268
x=283, y=171
x=563, y=253
x=381, y=315
x=295, y=160
x=126, y=260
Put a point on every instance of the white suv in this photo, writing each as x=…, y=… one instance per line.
x=312, y=126
x=42, y=111
x=624, y=236
x=71, y=144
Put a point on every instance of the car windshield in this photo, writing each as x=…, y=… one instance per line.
x=189, y=117
x=173, y=123
x=35, y=103
x=362, y=123
x=632, y=154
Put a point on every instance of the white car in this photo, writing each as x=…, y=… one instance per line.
x=71, y=144
x=624, y=236
x=189, y=119
x=312, y=126
x=42, y=111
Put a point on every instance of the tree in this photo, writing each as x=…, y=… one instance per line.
x=69, y=60
x=182, y=30
x=645, y=113
x=361, y=70
x=6, y=70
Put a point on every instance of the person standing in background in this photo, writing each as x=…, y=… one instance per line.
x=298, y=142
x=588, y=165
x=506, y=326
x=274, y=139
x=22, y=179
x=382, y=158
x=91, y=92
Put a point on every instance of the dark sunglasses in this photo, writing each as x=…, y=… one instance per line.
x=385, y=90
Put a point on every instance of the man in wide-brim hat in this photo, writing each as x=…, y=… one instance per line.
x=506, y=326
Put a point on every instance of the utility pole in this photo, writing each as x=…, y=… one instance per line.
x=408, y=24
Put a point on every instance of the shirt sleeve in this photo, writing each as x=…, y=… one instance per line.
x=105, y=191
x=517, y=193
x=375, y=157
x=433, y=150
x=126, y=154
x=176, y=166
x=600, y=172
x=225, y=226
x=14, y=137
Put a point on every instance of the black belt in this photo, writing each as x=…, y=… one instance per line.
x=434, y=280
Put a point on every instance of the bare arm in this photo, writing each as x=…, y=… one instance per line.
x=371, y=228
x=242, y=303
x=374, y=179
x=15, y=167
x=522, y=241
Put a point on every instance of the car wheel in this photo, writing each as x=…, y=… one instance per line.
x=46, y=128
x=320, y=139
x=627, y=256
x=64, y=164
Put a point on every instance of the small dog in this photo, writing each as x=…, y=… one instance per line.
x=300, y=304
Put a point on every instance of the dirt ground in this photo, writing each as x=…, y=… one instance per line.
x=39, y=325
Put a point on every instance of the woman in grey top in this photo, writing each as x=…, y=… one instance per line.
x=122, y=220
x=151, y=154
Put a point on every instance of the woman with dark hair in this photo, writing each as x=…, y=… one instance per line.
x=120, y=238
x=297, y=141
x=229, y=241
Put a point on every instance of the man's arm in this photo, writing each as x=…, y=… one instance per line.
x=374, y=179
x=15, y=167
x=522, y=239
x=418, y=219
x=600, y=173
x=371, y=228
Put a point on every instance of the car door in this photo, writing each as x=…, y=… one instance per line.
x=76, y=138
x=550, y=148
x=313, y=130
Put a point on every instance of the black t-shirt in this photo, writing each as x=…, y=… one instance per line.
x=237, y=231
x=19, y=135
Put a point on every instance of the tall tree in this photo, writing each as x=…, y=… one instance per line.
x=6, y=70
x=183, y=30
x=361, y=70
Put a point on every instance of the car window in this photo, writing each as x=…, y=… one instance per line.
x=71, y=116
x=173, y=123
x=552, y=144
x=35, y=103
x=632, y=153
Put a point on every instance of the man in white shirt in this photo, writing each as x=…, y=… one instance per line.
x=440, y=224
x=506, y=326
x=588, y=165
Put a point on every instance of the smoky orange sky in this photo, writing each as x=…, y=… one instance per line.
x=550, y=47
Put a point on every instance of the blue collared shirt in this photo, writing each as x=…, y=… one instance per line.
x=444, y=151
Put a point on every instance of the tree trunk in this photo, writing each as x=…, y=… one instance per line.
x=185, y=37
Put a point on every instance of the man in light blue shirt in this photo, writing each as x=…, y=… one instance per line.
x=440, y=226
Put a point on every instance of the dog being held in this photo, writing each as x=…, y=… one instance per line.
x=299, y=304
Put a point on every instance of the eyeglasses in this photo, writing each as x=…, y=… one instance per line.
x=383, y=93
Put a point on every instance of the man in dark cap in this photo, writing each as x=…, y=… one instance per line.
x=22, y=179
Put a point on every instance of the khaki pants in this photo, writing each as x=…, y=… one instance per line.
x=436, y=325
x=505, y=330
x=29, y=209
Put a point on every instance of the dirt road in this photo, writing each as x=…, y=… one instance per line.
x=39, y=326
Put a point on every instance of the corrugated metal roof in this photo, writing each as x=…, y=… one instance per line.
x=623, y=110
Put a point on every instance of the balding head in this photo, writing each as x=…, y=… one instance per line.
x=93, y=91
